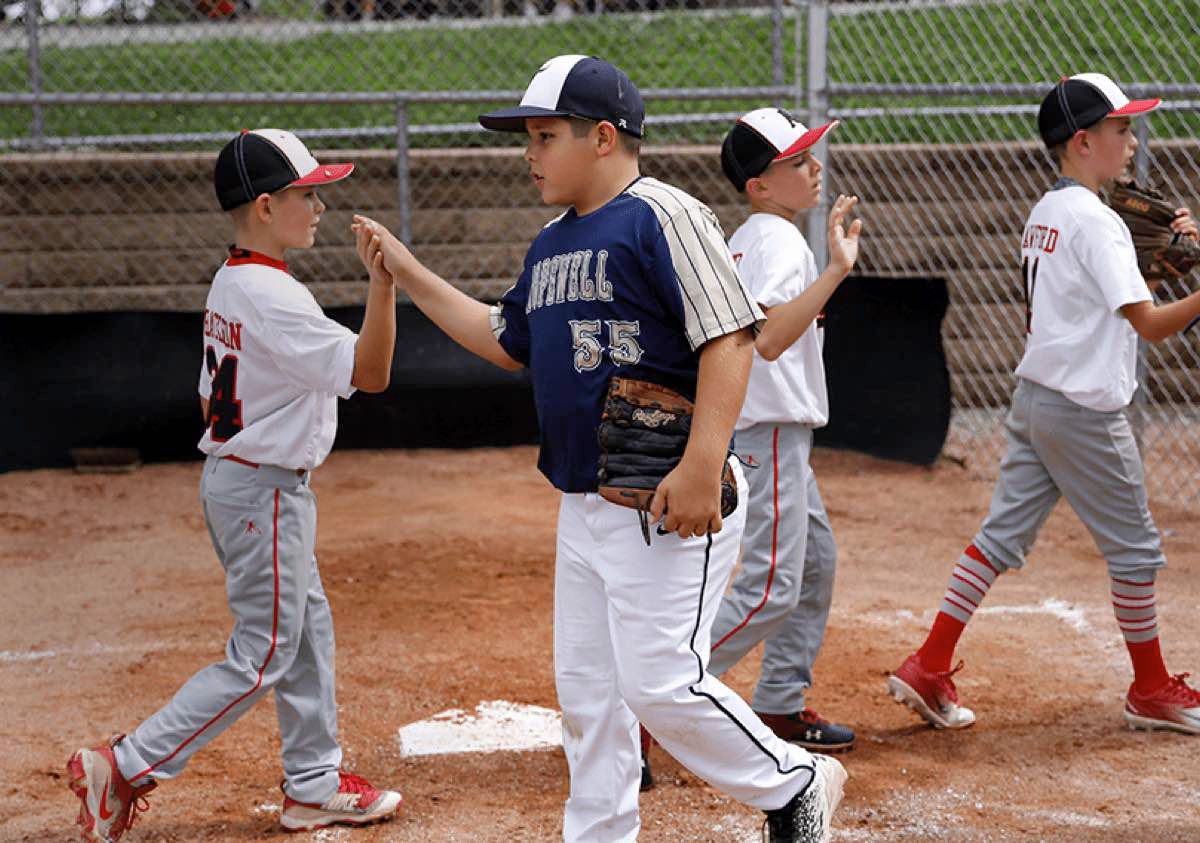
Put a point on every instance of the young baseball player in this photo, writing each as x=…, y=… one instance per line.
x=273, y=366
x=1086, y=305
x=634, y=278
x=784, y=589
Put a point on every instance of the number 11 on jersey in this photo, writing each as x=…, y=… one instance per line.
x=1029, y=271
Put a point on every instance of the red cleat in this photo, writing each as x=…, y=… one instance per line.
x=1175, y=706
x=355, y=803
x=932, y=695
x=109, y=804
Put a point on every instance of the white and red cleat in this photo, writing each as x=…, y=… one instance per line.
x=930, y=694
x=1175, y=706
x=355, y=803
x=109, y=804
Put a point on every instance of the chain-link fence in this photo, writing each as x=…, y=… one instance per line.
x=111, y=112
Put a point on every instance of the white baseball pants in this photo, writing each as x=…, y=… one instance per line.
x=631, y=641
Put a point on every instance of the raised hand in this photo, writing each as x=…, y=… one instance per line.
x=843, y=242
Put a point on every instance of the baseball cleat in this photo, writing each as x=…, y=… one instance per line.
x=108, y=803
x=930, y=694
x=355, y=803
x=647, y=782
x=1174, y=706
x=809, y=730
x=808, y=817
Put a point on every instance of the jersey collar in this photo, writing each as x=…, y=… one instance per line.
x=241, y=257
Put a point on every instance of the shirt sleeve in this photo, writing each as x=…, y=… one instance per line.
x=313, y=351
x=205, y=385
x=510, y=322
x=692, y=254
x=1105, y=249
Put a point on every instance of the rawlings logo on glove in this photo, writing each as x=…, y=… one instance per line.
x=643, y=432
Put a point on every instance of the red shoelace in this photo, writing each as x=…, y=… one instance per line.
x=1177, y=690
x=350, y=783
x=945, y=684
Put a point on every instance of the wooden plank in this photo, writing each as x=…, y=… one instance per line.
x=980, y=321
x=994, y=355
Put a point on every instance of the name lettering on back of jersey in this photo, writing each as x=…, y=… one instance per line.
x=1040, y=237
x=222, y=330
x=574, y=276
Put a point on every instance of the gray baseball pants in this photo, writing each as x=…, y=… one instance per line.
x=785, y=586
x=1057, y=448
x=263, y=525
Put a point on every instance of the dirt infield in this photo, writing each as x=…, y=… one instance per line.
x=439, y=568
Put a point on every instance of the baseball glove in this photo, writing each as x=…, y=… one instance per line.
x=643, y=432
x=1162, y=253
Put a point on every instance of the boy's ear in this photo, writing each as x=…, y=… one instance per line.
x=262, y=207
x=606, y=137
x=755, y=188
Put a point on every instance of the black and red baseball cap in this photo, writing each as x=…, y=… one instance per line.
x=267, y=160
x=1081, y=101
x=760, y=138
x=575, y=86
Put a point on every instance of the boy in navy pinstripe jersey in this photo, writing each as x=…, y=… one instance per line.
x=633, y=279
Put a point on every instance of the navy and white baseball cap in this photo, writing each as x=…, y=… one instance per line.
x=1082, y=101
x=267, y=160
x=760, y=138
x=575, y=86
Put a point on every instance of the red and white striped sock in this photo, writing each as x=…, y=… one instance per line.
x=1135, y=605
x=970, y=581
x=969, y=584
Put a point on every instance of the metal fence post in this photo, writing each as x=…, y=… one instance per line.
x=818, y=111
x=1141, y=155
x=1141, y=398
x=33, y=14
x=777, y=45
x=403, y=187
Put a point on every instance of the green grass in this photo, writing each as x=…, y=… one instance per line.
x=1028, y=41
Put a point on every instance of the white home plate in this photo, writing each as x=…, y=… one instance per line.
x=496, y=725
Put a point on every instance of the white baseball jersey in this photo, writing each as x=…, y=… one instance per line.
x=273, y=366
x=1080, y=269
x=776, y=265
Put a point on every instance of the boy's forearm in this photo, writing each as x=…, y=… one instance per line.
x=377, y=339
x=465, y=320
x=1158, y=322
x=787, y=322
x=720, y=391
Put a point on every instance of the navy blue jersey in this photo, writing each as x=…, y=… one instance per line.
x=633, y=288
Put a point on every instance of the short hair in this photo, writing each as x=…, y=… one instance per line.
x=580, y=126
x=1058, y=152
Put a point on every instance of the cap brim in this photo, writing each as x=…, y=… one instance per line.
x=513, y=119
x=809, y=138
x=324, y=174
x=1136, y=107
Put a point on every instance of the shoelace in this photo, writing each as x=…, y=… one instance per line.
x=1181, y=691
x=141, y=804
x=946, y=684
x=812, y=718
x=350, y=783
